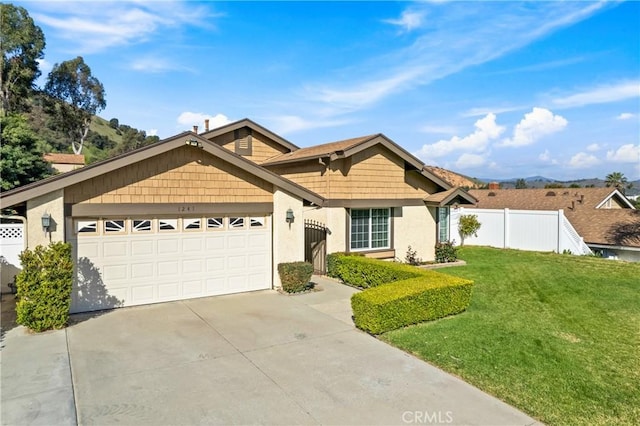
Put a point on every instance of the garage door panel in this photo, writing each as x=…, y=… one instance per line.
x=142, y=270
x=162, y=265
x=169, y=246
x=192, y=266
x=142, y=248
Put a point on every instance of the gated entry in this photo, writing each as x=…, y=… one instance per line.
x=315, y=245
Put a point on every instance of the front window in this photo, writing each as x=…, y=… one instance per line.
x=370, y=229
x=443, y=224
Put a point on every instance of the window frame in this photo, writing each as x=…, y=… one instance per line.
x=439, y=224
x=370, y=230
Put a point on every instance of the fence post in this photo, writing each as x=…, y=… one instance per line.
x=560, y=226
x=505, y=243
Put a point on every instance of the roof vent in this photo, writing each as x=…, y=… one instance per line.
x=550, y=194
x=492, y=194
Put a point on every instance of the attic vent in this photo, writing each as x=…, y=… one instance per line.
x=492, y=194
x=244, y=141
x=550, y=194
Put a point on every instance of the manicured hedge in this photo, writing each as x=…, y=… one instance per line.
x=295, y=276
x=401, y=303
x=396, y=294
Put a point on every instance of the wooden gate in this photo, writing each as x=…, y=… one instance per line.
x=315, y=246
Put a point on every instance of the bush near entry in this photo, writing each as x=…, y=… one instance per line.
x=44, y=287
x=397, y=295
x=295, y=276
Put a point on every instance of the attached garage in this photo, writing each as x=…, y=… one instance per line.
x=136, y=261
x=182, y=218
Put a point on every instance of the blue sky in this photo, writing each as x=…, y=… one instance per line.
x=488, y=89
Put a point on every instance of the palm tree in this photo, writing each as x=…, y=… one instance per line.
x=618, y=181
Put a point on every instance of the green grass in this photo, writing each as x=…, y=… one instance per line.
x=556, y=336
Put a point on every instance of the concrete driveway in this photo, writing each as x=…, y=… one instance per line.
x=256, y=358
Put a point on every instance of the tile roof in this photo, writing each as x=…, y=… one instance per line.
x=317, y=151
x=619, y=226
x=58, y=158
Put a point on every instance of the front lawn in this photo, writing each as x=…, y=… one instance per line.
x=557, y=336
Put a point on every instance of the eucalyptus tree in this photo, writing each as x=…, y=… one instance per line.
x=22, y=45
x=74, y=96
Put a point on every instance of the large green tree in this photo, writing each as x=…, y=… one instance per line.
x=74, y=97
x=22, y=43
x=21, y=161
x=617, y=180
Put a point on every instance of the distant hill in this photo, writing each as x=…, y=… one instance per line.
x=541, y=182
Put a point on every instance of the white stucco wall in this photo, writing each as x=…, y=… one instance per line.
x=414, y=226
x=288, y=241
x=52, y=203
x=337, y=224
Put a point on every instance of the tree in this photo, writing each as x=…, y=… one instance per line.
x=114, y=123
x=521, y=184
x=75, y=96
x=20, y=160
x=468, y=225
x=22, y=43
x=618, y=181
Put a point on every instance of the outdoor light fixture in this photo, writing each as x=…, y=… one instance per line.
x=46, y=222
x=290, y=216
x=193, y=142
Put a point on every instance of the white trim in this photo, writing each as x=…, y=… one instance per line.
x=624, y=199
x=386, y=247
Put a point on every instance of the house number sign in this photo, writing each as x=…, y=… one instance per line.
x=186, y=209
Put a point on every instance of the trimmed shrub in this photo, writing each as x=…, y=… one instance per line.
x=44, y=287
x=295, y=276
x=446, y=252
x=430, y=296
x=363, y=272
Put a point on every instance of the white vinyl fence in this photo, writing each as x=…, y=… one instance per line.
x=11, y=245
x=535, y=230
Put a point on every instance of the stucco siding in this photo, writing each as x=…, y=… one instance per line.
x=337, y=224
x=183, y=175
x=288, y=239
x=53, y=204
x=414, y=226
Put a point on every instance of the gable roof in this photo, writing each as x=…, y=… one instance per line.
x=453, y=178
x=245, y=122
x=45, y=186
x=582, y=207
x=450, y=196
x=348, y=147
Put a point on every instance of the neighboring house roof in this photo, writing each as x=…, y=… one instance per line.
x=58, y=158
x=450, y=196
x=585, y=208
x=348, y=147
x=547, y=199
x=453, y=178
x=245, y=122
x=45, y=186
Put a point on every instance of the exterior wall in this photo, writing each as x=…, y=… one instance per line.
x=183, y=175
x=620, y=254
x=414, y=226
x=52, y=203
x=63, y=168
x=262, y=147
x=337, y=224
x=288, y=241
x=375, y=173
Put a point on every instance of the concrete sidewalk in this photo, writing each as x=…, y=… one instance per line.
x=249, y=358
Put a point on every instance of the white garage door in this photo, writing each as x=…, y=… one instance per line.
x=136, y=261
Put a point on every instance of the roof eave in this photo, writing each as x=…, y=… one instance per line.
x=246, y=122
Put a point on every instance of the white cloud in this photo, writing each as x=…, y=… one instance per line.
x=593, y=147
x=535, y=124
x=157, y=65
x=629, y=153
x=92, y=29
x=467, y=160
x=409, y=20
x=625, y=116
x=486, y=130
x=44, y=66
x=546, y=157
x=602, y=94
x=476, y=112
x=285, y=124
x=152, y=132
x=189, y=119
x=582, y=160
x=447, y=130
